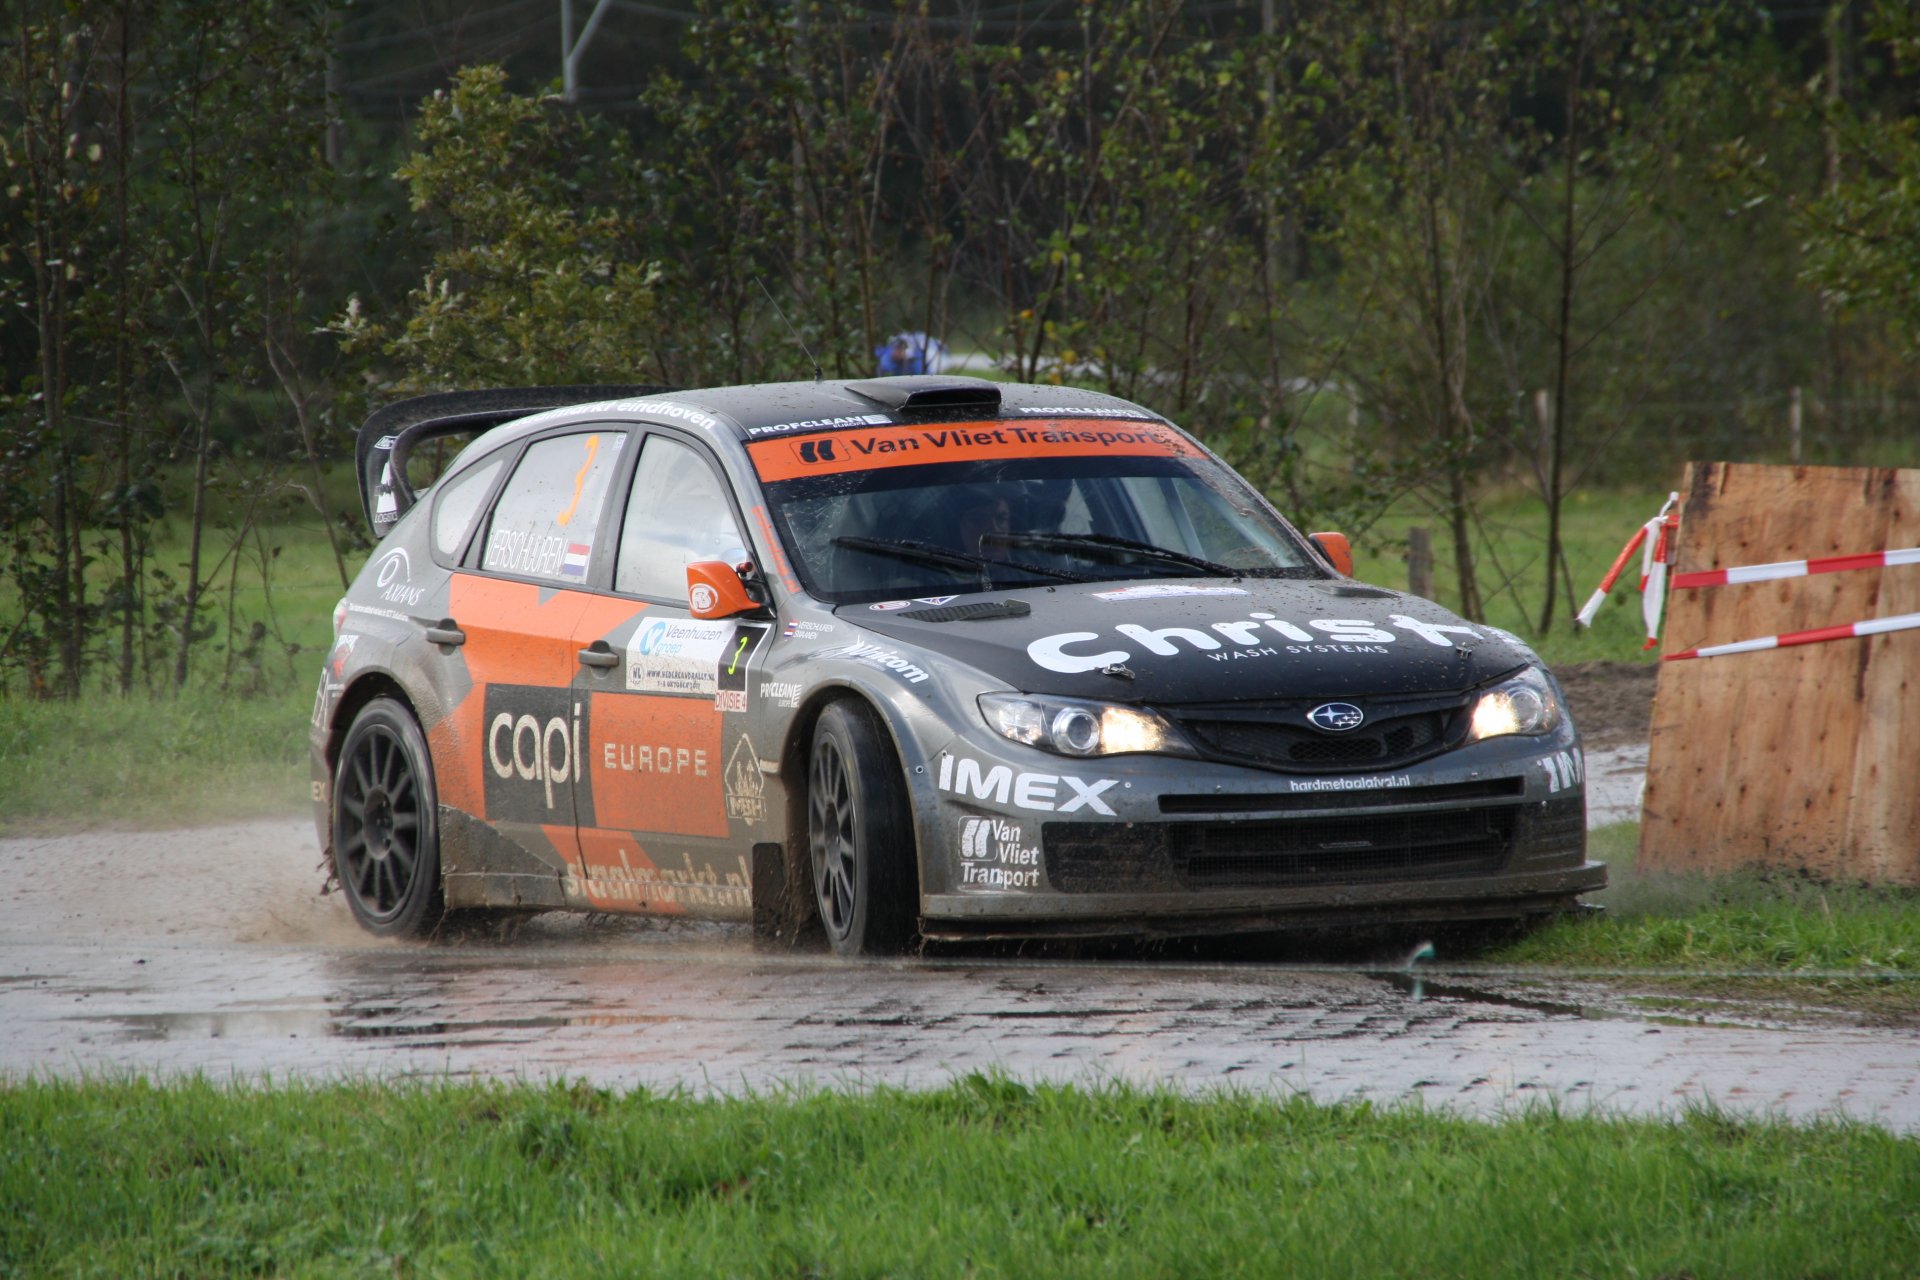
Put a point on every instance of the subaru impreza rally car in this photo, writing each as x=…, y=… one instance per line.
x=925, y=656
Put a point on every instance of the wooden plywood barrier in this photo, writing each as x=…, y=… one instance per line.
x=1802, y=758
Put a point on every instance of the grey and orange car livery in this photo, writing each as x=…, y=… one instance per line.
x=920, y=657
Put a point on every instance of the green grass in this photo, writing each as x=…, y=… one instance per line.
x=152, y=761
x=1742, y=921
x=232, y=743
x=985, y=1177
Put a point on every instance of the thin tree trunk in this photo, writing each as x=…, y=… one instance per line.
x=288, y=374
x=1563, y=335
x=130, y=565
x=201, y=447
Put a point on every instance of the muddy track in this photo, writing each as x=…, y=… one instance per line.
x=209, y=950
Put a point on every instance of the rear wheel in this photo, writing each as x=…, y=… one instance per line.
x=386, y=834
x=860, y=834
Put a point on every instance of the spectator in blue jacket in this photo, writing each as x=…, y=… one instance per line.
x=912, y=353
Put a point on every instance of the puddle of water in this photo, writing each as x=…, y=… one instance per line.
x=255, y=1024
x=251, y=1024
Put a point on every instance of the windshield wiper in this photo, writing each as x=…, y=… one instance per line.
x=1091, y=541
x=927, y=553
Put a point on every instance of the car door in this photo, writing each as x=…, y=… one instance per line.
x=672, y=782
x=518, y=600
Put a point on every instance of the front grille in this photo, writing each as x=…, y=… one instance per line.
x=1147, y=857
x=1209, y=855
x=1554, y=831
x=1280, y=739
x=1095, y=857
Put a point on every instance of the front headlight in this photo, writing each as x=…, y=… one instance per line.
x=1072, y=727
x=1523, y=704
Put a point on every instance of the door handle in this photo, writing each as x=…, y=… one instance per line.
x=599, y=655
x=446, y=632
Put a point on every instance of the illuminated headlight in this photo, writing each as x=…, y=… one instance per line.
x=1070, y=727
x=1524, y=704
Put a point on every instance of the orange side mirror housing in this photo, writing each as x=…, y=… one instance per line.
x=715, y=590
x=1335, y=548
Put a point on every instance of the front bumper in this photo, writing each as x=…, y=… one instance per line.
x=1495, y=830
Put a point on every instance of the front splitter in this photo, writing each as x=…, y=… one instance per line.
x=1506, y=896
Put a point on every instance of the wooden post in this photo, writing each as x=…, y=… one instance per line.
x=1420, y=563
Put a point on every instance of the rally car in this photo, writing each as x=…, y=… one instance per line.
x=924, y=657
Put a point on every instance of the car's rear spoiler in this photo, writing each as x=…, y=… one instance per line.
x=389, y=435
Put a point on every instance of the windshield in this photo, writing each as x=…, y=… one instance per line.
x=865, y=519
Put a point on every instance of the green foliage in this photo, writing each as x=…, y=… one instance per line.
x=1863, y=228
x=161, y=165
x=986, y=1176
x=766, y=190
x=531, y=283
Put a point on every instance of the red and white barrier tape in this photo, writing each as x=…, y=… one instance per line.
x=1655, y=539
x=1795, y=568
x=1871, y=627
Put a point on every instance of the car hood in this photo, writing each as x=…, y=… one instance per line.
x=1198, y=641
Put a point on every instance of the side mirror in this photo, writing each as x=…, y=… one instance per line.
x=715, y=589
x=1334, y=547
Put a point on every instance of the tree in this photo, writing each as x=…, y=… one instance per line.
x=1862, y=232
x=776, y=137
x=1419, y=235
x=531, y=282
x=52, y=187
x=1616, y=82
x=241, y=127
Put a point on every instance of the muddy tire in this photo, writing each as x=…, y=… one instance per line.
x=860, y=835
x=386, y=834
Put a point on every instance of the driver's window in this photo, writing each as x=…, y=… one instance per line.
x=677, y=513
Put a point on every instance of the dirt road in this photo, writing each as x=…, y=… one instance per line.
x=209, y=951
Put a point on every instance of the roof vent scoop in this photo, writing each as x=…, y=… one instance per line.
x=930, y=393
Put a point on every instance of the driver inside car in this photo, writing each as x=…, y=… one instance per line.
x=989, y=515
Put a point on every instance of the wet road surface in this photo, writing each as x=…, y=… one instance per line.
x=707, y=1014
x=209, y=951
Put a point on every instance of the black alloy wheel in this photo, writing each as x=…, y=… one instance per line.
x=386, y=846
x=860, y=834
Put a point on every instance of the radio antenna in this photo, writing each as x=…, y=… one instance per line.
x=798, y=340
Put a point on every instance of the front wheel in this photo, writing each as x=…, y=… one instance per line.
x=860, y=833
x=386, y=834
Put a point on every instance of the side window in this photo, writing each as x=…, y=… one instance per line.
x=677, y=514
x=544, y=524
x=459, y=502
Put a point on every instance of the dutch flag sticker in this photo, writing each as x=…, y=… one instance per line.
x=575, y=563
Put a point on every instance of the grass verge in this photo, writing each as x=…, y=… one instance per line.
x=984, y=1177
x=151, y=761
x=1741, y=921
